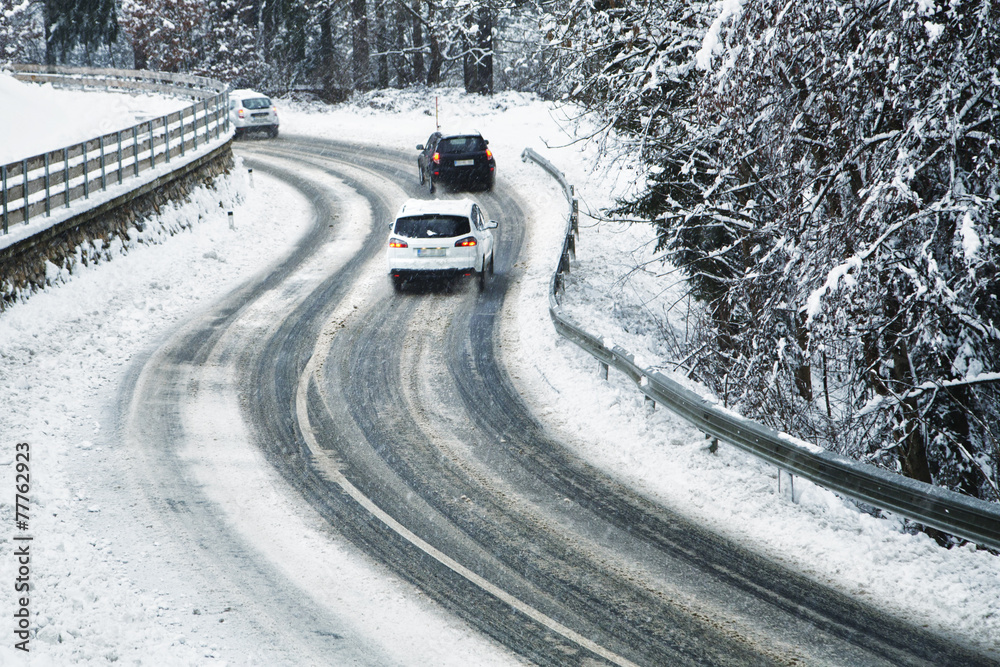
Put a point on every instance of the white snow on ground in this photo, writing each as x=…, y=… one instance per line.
x=105, y=589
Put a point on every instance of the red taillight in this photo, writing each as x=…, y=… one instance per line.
x=241, y=113
x=397, y=243
x=489, y=154
x=465, y=243
x=436, y=158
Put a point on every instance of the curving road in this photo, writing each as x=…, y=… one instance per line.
x=394, y=418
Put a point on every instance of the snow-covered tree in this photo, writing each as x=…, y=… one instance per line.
x=838, y=212
x=230, y=43
x=166, y=35
x=21, y=30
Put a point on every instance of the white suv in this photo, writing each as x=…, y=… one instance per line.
x=440, y=238
x=249, y=111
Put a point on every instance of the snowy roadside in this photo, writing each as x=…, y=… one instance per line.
x=64, y=353
x=621, y=292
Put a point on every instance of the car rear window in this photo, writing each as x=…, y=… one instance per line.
x=256, y=103
x=471, y=144
x=432, y=226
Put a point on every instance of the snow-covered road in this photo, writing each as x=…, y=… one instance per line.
x=111, y=581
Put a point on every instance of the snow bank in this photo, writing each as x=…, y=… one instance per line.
x=36, y=118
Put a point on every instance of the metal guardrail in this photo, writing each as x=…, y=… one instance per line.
x=38, y=185
x=963, y=516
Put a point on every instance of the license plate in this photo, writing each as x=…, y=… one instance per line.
x=464, y=163
x=430, y=252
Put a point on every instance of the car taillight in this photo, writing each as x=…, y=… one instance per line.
x=436, y=158
x=241, y=113
x=465, y=243
x=397, y=243
x=489, y=154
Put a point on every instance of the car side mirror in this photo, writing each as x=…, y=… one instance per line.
x=420, y=147
x=492, y=224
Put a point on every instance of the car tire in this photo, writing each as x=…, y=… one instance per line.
x=273, y=132
x=430, y=184
x=420, y=174
x=486, y=272
x=397, y=284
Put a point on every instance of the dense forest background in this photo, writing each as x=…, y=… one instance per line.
x=824, y=173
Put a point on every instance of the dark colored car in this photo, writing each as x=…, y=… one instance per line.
x=458, y=160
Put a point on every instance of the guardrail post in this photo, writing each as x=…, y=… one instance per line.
x=791, y=484
x=48, y=189
x=66, y=176
x=166, y=137
x=120, y=178
x=182, y=132
x=3, y=184
x=104, y=171
x=152, y=154
x=27, y=207
x=575, y=216
x=86, y=173
x=650, y=404
x=571, y=245
x=135, y=150
x=208, y=137
x=564, y=262
x=194, y=126
x=602, y=370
